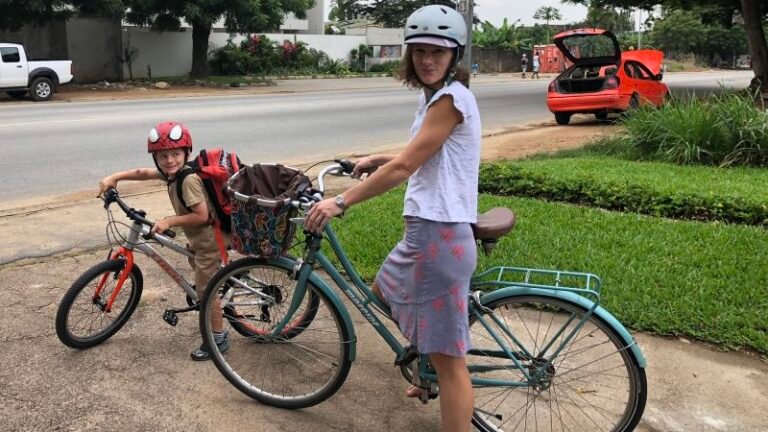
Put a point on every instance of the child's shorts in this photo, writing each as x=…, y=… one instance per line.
x=425, y=280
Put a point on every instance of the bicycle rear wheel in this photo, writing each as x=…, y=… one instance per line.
x=260, y=298
x=594, y=383
x=81, y=320
x=303, y=365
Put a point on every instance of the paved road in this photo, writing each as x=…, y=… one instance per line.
x=76, y=144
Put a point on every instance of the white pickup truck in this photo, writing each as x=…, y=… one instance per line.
x=39, y=78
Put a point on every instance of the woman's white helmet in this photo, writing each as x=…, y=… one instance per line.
x=436, y=25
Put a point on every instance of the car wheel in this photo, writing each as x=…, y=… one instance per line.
x=562, y=118
x=18, y=94
x=42, y=89
x=634, y=103
x=602, y=116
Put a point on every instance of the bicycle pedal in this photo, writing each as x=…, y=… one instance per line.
x=428, y=394
x=170, y=317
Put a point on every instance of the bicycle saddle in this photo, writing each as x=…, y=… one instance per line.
x=493, y=224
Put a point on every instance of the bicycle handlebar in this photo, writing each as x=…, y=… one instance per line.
x=112, y=196
x=340, y=168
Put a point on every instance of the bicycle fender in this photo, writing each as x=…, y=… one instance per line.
x=288, y=263
x=602, y=313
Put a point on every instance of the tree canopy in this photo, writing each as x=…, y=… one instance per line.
x=389, y=13
x=547, y=14
x=507, y=36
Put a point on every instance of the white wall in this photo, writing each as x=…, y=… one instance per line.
x=379, y=36
x=170, y=53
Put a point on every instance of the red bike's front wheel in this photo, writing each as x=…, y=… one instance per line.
x=84, y=319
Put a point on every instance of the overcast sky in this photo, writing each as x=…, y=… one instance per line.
x=496, y=10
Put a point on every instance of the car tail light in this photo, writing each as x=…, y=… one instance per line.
x=552, y=86
x=611, y=83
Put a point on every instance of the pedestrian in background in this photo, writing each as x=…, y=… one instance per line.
x=524, y=64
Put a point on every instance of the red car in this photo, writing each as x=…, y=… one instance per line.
x=603, y=79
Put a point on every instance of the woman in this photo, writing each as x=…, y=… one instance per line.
x=425, y=279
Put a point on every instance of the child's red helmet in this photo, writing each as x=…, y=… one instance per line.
x=169, y=135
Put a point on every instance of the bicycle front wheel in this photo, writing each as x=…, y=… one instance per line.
x=302, y=365
x=593, y=383
x=82, y=320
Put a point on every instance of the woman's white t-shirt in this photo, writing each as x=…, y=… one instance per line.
x=444, y=189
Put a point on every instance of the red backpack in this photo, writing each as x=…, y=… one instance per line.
x=215, y=167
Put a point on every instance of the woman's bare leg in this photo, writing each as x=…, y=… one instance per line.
x=456, y=398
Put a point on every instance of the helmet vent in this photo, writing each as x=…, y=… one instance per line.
x=444, y=11
x=444, y=27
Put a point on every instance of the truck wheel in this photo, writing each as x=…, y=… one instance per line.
x=18, y=94
x=41, y=89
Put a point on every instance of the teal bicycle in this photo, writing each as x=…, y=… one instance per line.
x=545, y=355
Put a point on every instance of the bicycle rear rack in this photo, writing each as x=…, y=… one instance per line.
x=585, y=284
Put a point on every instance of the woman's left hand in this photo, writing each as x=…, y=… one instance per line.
x=320, y=214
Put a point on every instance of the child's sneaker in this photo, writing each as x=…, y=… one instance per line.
x=222, y=343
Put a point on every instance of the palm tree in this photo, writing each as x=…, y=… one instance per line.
x=547, y=13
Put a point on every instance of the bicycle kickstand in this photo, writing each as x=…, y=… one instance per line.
x=171, y=315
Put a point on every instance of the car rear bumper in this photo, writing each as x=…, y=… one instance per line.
x=587, y=103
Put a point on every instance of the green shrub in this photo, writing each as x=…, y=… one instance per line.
x=390, y=67
x=259, y=55
x=333, y=67
x=229, y=60
x=723, y=130
x=699, y=193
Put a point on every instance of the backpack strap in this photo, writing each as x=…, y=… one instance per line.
x=220, y=242
x=180, y=176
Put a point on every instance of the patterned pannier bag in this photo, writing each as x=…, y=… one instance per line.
x=261, y=208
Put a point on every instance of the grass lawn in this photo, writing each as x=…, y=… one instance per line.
x=706, y=281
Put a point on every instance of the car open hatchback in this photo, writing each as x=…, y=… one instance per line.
x=602, y=78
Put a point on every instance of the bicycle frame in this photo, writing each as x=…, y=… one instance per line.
x=585, y=294
x=126, y=251
x=361, y=296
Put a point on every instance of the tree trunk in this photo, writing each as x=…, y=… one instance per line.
x=200, y=34
x=758, y=48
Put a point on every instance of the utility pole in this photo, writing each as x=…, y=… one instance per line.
x=465, y=7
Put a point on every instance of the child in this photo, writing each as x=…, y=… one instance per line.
x=170, y=145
